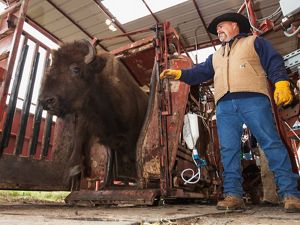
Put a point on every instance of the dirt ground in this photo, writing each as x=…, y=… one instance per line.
x=45, y=213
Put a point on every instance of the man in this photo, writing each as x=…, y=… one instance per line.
x=240, y=69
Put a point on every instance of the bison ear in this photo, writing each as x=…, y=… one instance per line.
x=97, y=65
x=100, y=63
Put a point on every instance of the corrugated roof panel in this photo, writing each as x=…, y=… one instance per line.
x=93, y=20
x=115, y=43
x=211, y=9
x=59, y=25
x=143, y=35
x=101, y=30
x=72, y=6
x=54, y=14
x=62, y=2
x=38, y=8
x=47, y=15
x=147, y=21
x=68, y=30
x=75, y=36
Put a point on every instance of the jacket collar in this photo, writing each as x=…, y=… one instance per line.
x=239, y=36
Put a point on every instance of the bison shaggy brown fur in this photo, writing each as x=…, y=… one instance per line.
x=103, y=95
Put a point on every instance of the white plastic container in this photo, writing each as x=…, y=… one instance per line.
x=190, y=130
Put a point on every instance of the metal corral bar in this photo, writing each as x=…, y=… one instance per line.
x=12, y=57
x=36, y=129
x=47, y=135
x=13, y=98
x=27, y=102
x=37, y=118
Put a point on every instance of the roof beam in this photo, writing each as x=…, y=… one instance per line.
x=72, y=21
x=153, y=15
x=112, y=17
x=203, y=22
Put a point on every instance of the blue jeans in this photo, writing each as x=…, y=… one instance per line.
x=256, y=112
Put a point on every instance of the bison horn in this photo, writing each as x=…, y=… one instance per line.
x=92, y=53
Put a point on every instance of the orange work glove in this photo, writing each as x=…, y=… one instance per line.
x=169, y=73
x=282, y=93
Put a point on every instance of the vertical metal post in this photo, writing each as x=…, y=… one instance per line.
x=36, y=129
x=27, y=103
x=167, y=101
x=37, y=118
x=164, y=159
x=12, y=55
x=47, y=135
x=13, y=99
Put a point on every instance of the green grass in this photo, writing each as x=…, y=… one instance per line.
x=55, y=196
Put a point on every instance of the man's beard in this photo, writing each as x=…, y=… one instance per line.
x=222, y=37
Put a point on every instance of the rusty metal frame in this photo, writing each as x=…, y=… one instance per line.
x=13, y=55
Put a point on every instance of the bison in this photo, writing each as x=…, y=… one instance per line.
x=108, y=103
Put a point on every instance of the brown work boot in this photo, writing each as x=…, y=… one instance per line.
x=291, y=204
x=231, y=203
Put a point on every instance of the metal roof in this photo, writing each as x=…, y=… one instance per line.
x=68, y=20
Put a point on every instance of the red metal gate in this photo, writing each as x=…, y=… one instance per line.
x=27, y=158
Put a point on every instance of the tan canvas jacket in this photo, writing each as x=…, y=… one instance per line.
x=238, y=69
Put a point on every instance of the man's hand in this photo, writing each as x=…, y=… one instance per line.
x=169, y=73
x=282, y=93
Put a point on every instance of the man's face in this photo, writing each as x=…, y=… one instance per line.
x=227, y=30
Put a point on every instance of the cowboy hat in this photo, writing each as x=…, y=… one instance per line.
x=241, y=20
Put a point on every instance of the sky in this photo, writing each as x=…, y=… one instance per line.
x=137, y=8
x=2, y=6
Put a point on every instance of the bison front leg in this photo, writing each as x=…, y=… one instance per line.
x=76, y=161
x=125, y=158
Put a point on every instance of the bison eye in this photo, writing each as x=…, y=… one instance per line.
x=75, y=69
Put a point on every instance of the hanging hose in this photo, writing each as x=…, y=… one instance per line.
x=189, y=181
x=287, y=34
x=199, y=163
x=191, y=143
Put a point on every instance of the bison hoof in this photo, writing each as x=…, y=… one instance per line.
x=75, y=170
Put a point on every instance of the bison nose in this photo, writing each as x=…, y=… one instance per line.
x=48, y=102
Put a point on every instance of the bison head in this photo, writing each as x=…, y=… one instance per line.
x=68, y=79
